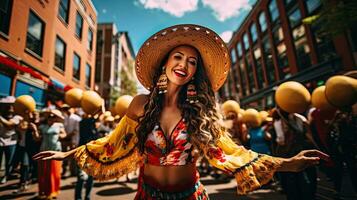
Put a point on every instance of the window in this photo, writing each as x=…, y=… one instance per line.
x=99, y=41
x=274, y=12
x=259, y=67
x=253, y=32
x=250, y=72
x=324, y=45
x=88, y=75
x=239, y=49
x=246, y=41
x=25, y=88
x=5, y=15
x=233, y=56
x=283, y=61
x=63, y=10
x=269, y=60
x=82, y=5
x=35, y=32
x=302, y=47
x=295, y=18
x=60, y=54
x=262, y=22
x=5, y=88
x=98, y=71
x=278, y=34
x=243, y=77
x=79, y=25
x=76, y=66
x=90, y=40
x=236, y=79
x=312, y=5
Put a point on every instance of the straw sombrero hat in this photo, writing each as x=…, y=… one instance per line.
x=54, y=113
x=211, y=47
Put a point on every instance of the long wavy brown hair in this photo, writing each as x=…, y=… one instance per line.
x=201, y=118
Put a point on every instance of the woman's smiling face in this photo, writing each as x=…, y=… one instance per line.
x=181, y=64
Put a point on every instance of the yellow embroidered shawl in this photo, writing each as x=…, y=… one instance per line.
x=117, y=154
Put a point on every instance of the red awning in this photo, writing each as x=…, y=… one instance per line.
x=11, y=63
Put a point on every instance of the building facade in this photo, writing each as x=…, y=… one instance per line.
x=114, y=57
x=46, y=47
x=273, y=45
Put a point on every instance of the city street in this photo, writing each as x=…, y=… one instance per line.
x=120, y=189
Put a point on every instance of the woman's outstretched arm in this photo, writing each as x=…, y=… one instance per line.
x=54, y=155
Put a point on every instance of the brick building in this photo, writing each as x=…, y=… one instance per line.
x=46, y=47
x=273, y=45
x=115, y=56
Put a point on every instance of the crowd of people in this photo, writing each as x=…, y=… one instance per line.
x=284, y=134
x=59, y=129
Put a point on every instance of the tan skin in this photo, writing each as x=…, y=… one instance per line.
x=182, y=60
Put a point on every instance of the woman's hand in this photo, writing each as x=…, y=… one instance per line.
x=50, y=155
x=303, y=160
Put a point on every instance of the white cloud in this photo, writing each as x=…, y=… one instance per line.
x=104, y=11
x=226, y=36
x=174, y=7
x=225, y=9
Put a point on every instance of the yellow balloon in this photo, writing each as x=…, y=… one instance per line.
x=341, y=91
x=91, y=102
x=23, y=104
x=122, y=104
x=292, y=97
x=252, y=117
x=73, y=97
x=318, y=99
x=230, y=106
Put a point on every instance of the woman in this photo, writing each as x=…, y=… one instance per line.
x=49, y=171
x=162, y=132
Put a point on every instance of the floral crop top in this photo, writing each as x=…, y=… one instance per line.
x=118, y=154
x=173, y=149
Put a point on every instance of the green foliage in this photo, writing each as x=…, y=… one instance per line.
x=127, y=85
x=337, y=16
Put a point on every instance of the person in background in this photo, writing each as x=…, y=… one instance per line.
x=33, y=142
x=22, y=156
x=71, y=125
x=49, y=171
x=8, y=138
x=293, y=135
x=88, y=131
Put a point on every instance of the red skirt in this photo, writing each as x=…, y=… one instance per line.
x=49, y=177
x=149, y=189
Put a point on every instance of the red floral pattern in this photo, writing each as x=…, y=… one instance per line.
x=172, y=149
x=217, y=153
x=109, y=149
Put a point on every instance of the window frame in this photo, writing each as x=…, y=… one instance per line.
x=6, y=19
x=75, y=55
x=66, y=8
x=58, y=38
x=80, y=34
x=43, y=28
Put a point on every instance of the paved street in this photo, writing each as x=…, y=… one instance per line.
x=120, y=189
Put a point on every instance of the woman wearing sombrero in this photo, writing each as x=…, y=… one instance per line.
x=163, y=132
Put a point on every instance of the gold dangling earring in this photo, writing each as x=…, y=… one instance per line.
x=191, y=95
x=162, y=82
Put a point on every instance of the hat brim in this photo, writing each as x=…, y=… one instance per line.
x=59, y=118
x=212, y=48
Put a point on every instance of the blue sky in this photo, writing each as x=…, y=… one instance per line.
x=142, y=18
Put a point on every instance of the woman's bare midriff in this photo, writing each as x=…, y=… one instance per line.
x=171, y=175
